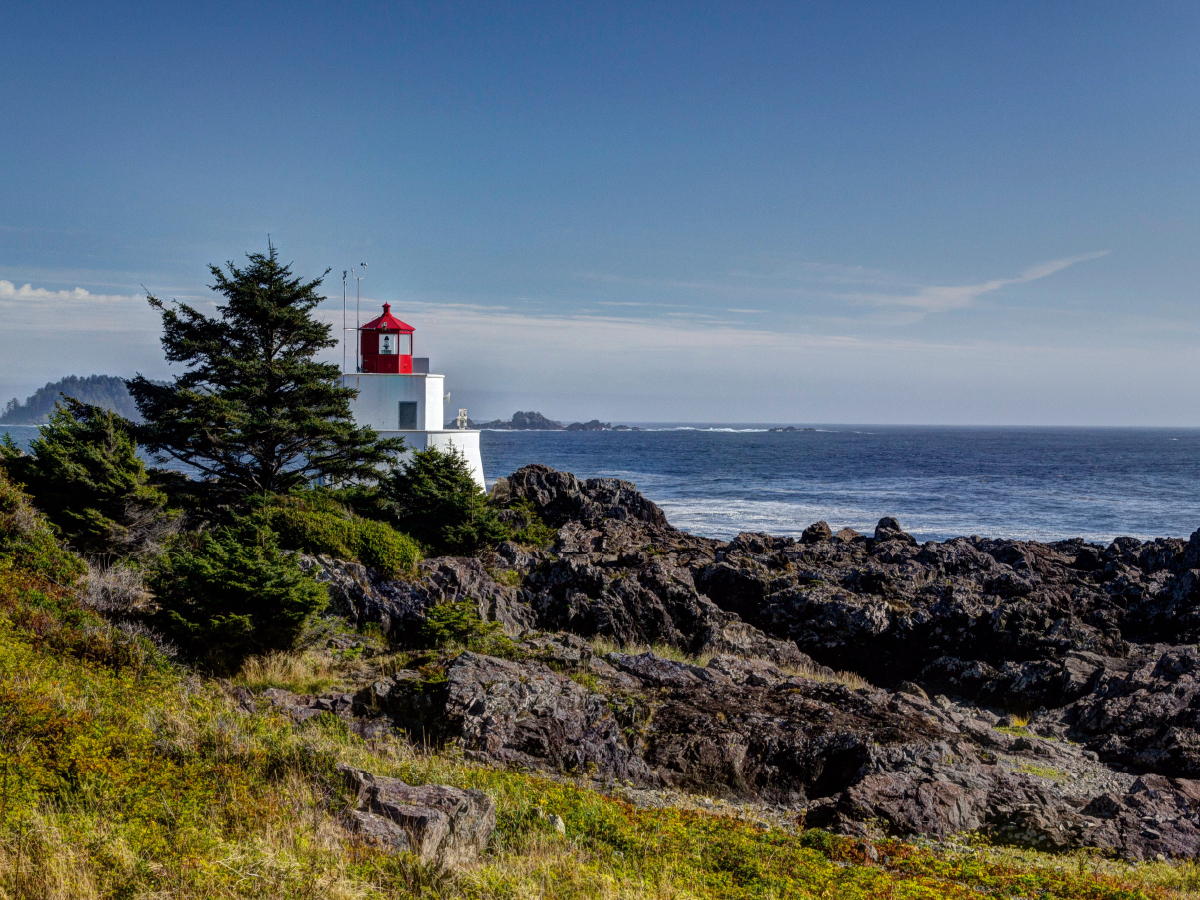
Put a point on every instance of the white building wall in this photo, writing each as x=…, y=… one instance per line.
x=378, y=405
x=380, y=395
x=434, y=412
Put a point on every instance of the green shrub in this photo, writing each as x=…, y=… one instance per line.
x=27, y=541
x=318, y=524
x=385, y=549
x=83, y=472
x=527, y=526
x=434, y=498
x=234, y=593
x=459, y=624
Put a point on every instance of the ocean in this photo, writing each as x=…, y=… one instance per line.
x=1032, y=483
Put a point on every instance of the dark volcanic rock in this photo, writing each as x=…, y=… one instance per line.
x=1142, y=711
x=560, y=496
x=817, y=532
x=1094, y=644
x=399, y=606
x=747, y=729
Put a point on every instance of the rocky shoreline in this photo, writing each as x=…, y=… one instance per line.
x=1045, y=694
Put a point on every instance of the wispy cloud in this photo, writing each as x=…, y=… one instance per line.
x=27, y=293
x=942, y=298
x=29, y=308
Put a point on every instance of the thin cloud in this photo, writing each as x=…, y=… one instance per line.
x=11, y=295
x=939, y=298
x=32, y=309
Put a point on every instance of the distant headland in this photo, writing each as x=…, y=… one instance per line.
x=535, y=421
x=107, y=391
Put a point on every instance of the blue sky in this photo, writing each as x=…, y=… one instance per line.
x=871, y=212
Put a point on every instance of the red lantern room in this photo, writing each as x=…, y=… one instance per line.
x=386, y=345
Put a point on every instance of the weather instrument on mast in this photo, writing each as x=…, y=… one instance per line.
x=357, y=306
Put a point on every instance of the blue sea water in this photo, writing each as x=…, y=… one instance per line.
x=1035, y=483
x=1031, y=483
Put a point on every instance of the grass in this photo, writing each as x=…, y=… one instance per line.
x=602, y=645
x=1019, y=726
x=304, y=672
x=148, y=784
x=1048, y=772
x=506, y=577
x=852, y=680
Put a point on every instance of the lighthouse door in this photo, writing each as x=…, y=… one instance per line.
x=408, y=415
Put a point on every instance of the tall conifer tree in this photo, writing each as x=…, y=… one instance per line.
x=255, y=412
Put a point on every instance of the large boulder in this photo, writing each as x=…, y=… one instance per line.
x=439, y=824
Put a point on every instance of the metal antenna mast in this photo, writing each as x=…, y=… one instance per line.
x=344, y=329
x=357, y=306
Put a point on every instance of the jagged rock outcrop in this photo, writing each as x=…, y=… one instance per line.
x=560, y=497
x=746, y=729
x=1024, y=625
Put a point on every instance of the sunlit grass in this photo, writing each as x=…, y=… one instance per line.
x=302, y=672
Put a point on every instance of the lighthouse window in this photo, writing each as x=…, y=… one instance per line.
x=408, y=415
x=391, y=344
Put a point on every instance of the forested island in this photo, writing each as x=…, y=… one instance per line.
x=323, y=668
x=104, y=391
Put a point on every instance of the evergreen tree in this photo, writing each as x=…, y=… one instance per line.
x=230, y=593
x=434, y=498
x=256, y=413
x=83, y=472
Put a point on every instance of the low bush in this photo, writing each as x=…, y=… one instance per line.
x=316, y=524
x=232, y=593
x=459, y=624
x=527, y=527
x=27, y=541
x=84, y=473
x=433, y=497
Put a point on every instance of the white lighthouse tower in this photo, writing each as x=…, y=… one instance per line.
x=398, y=397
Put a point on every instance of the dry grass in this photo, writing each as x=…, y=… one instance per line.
x=301, y=672
x=602, y=645
x=1177, y=878
x=244, y=806
x=1019, y=721
x=116, y=589
x=852, y=680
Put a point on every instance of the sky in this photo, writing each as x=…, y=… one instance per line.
x=923, y=213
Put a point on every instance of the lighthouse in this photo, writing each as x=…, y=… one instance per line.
x=399, y=397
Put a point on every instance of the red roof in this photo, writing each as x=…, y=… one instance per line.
x=387, y=321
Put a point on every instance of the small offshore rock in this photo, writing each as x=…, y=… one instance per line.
x=817, y=533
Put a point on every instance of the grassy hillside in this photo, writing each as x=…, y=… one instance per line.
x=123, y=775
